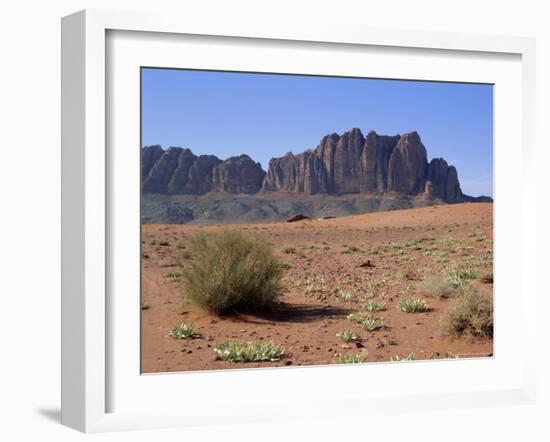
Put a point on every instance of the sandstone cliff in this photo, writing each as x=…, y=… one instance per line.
x=351, y=163
x=340, y=165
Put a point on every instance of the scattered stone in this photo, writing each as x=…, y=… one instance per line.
x=298, y=217
x=367, y=263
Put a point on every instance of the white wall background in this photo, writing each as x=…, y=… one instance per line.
x=30, y=212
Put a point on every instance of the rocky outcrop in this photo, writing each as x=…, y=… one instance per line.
x=238, y=175
x=375, y=160
x=407, y=166
x=340, y=165
x=351, y=163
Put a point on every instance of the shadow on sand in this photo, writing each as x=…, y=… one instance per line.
x=294, y=313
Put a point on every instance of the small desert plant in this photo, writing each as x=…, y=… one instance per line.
x=469, y=314
x=344, y=295
x=230, y=271
x=349, y=359
x=435, y=287
x=350, y=249
x=403, y=358
x=172, y=276
x=374, y=306
x=458, y=276
x=347, y=336
x=184, y=331
x=237, y=351
x=359, y=317
x=371, y=323
x=289, y=250
x=414, y=305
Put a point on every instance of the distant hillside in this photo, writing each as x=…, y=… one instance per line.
x=375, y=172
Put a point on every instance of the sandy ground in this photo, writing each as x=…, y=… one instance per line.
x=403, y=246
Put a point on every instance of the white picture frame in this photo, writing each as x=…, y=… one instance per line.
x=87, y=231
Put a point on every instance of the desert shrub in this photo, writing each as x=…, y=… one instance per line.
x=471, y=313
x=237, y=351
x=435, y=287
x=231, y=271
x=413, y=306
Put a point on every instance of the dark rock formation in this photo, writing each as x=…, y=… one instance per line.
x=407, y=166
x=375, y=160
x=295, y=218
x=340, y=165
x=238, y=175
x=149, y=156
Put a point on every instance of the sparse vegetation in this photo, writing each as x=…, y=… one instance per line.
x=173, y=276
x=237, y=351
x=232, y=271
x=436, y=286
x=359, y=317
x=413, y=305
x=403, y=358
x=471, y=313
x=184, y=331
x=374, y=306
x=459, y=276
x=350, y=249
x=347, y=336
x=349, y=359
x=344, y=295
x=371, y=323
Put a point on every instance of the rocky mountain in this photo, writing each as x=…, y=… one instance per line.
x=351, y=163
x=178, y=171
x=347, y=164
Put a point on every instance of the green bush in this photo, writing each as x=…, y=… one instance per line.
x=231, y=271
x=469, y=314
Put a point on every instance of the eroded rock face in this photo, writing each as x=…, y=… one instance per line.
x=238, y=175
x=162, y=171
x=436, y=178
x=341, y=164
x=407, y=166
x=375, y=160
x=454, y=193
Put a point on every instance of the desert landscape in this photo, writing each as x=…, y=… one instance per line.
x=333, y=269
x=277, y=233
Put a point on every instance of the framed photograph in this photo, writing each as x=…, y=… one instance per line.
x=270, y=223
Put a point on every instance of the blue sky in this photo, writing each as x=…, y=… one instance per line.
x=265, y=115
